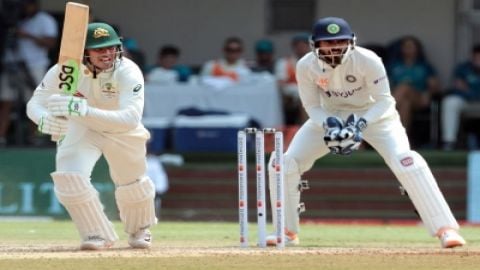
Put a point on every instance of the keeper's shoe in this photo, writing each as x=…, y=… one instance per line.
x=95, y=243
x=450, y=238
x=291, y=239
x=140, y=239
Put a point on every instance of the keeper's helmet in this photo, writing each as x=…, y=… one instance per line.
x=332, y=29
x=101, y=35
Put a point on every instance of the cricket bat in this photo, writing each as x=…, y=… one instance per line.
x=72, y=47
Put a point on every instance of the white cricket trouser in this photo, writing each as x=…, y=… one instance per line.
x=82, y=147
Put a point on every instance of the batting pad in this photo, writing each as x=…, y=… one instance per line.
x=415, y=176
x=292, y=193
x=82, y=202
x=136, y=204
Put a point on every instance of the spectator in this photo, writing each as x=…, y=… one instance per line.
x=264, y=56
x=285, y=73
x=466, y=89
x=25, y=62
x=231, y=67
x=167, y=69
x=413, y=80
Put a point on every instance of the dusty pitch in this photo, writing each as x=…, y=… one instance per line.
x=59, y=251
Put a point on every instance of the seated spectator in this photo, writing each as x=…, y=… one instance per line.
x=167, y=69
x=413, y=80
x=24, y=66
x=231, y=67
x=466, y=89
x=264, y=56
x=285, y=74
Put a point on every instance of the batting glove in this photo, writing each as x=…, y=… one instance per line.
x=55, y=126
x=60, y=105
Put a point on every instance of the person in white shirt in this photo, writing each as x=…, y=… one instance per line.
x=345, y=91
x=287, y=82
x=167, y=70
x=102, y=118
x=232, y=66
x=26, y=61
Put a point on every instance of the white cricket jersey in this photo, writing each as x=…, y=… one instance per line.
x=358, y=85
x=115, y=97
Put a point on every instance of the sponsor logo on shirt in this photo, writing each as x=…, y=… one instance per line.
x=137, y=88
x=408, y=161
x=343, y=93
x=380, y=79
x=323, y=83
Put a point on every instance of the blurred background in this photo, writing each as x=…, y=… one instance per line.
x=215, y=66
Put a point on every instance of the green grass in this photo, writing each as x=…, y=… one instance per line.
x=359, y=159
x=214, y=245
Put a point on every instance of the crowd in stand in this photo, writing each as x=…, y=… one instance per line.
x=414, y=80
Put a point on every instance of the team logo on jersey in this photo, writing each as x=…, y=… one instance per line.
x=408, y=161
x=350, y=78
x=333, y=28
x=108, y=90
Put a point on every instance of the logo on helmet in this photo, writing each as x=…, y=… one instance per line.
x=333, y=28
x=100, y=32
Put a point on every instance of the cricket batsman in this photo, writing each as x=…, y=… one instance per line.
x=345, y=91
x=103, y=117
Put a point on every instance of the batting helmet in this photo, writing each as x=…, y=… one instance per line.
x=101, y=35
x=331, y=28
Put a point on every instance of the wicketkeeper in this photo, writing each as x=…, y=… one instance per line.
x=104, y=117
x=345, y=91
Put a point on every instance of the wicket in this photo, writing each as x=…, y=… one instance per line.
x=260, y=176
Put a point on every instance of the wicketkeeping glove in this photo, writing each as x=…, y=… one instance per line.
x=333, y=126
x=60, y=105
x=351, y=134
x=56, y=126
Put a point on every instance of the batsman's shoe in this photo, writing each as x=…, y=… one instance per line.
x=140, y=239
x=95, y=243
x=291, y=239
x=449, y=238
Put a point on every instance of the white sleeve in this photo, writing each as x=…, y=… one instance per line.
x=50, y=27
x=309, y=94
x=37, y=105
x=129, y=113
x=207, y=68
x=281, y=69
x=379, y=88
